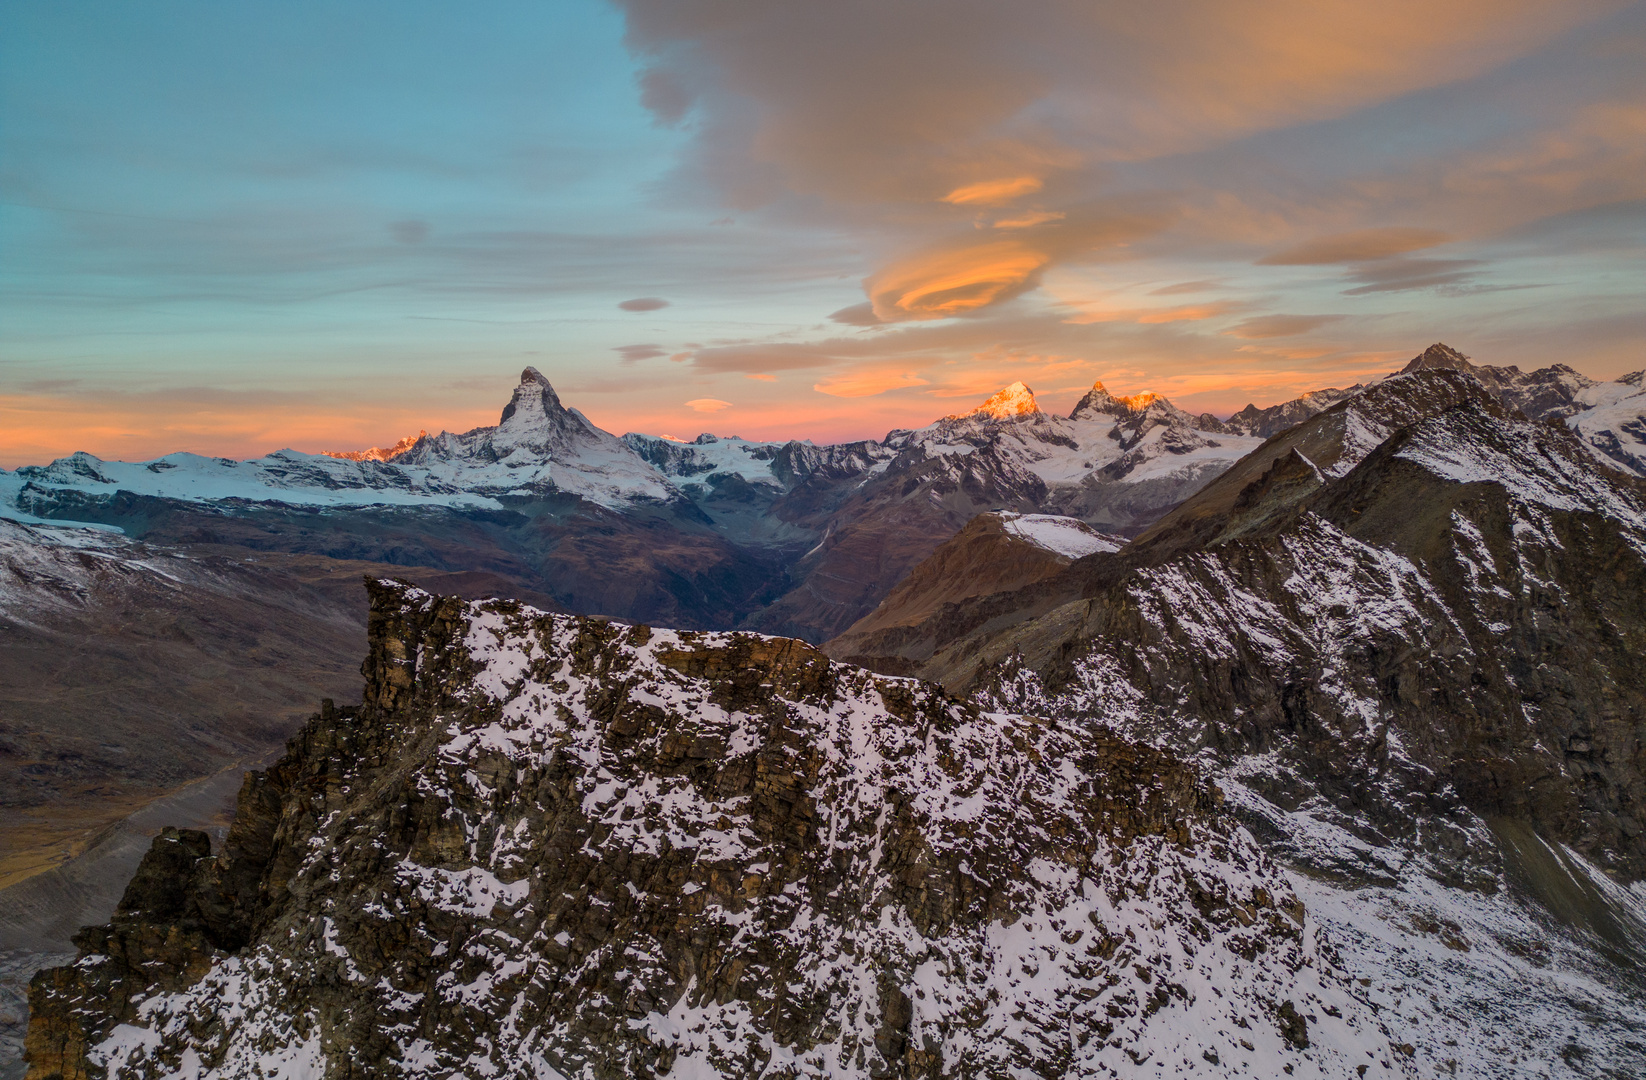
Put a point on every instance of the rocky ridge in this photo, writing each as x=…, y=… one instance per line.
x=1403, y=637
x=550, y=846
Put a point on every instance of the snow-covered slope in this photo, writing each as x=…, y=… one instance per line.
x=1612, y=424
x=1415, y=675
x=553, y=848
x=539, y=447
x=1065, y=536
x=1088, y=460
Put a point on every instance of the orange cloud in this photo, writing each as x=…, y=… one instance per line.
x=993, y=192
x=35, y=428
x=707, y=404
x=939, y=284
x=853, y=384
x=1030, y=218
x=1188, y=313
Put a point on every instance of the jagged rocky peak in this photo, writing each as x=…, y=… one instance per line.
x=1547, y=393
x=1272, y=420
x=533, y=398
x=551, y=846
x=379, y=453
x=1100, y=402
x=536, y=422
x=1009, y=403
x=1438, y=355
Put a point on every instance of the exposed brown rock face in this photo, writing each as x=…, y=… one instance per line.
x=555, y=843
x=982, y=559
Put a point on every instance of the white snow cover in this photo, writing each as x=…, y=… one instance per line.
x=709, y=455
x=1118, y=943
x=543, y=446
x=285, y=476
x=1612, y=427
x=1476, y=981
x=1066, y=536
x=1516, y=458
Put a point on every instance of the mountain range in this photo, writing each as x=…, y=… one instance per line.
x=786, y=538
x=1325, y=718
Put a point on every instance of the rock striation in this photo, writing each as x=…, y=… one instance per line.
x=548, y=846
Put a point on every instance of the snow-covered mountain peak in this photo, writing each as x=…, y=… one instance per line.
x=1099, y=401
x=533, y=398
x=378, y=453
x=760, y=862
x=1007, y=404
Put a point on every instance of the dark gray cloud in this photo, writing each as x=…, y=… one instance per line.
x=644, y=303
x=632, y=353
x=409, y=231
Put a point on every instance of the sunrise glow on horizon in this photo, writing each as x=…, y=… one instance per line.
x=233, y=229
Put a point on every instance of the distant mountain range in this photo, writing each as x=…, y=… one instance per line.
x=786, y=537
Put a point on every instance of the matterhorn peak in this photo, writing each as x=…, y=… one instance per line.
x=1008, y=404
x=533, y=398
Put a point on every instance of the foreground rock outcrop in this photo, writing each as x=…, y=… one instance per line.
x=549, y=846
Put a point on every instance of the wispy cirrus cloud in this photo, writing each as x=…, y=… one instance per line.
x=1278, y=326
x=1363, y=245
x=909, y=203
x=994, y=192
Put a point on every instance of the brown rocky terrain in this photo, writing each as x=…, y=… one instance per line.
x=982, y=559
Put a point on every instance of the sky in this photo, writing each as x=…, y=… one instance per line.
x=231, y=228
